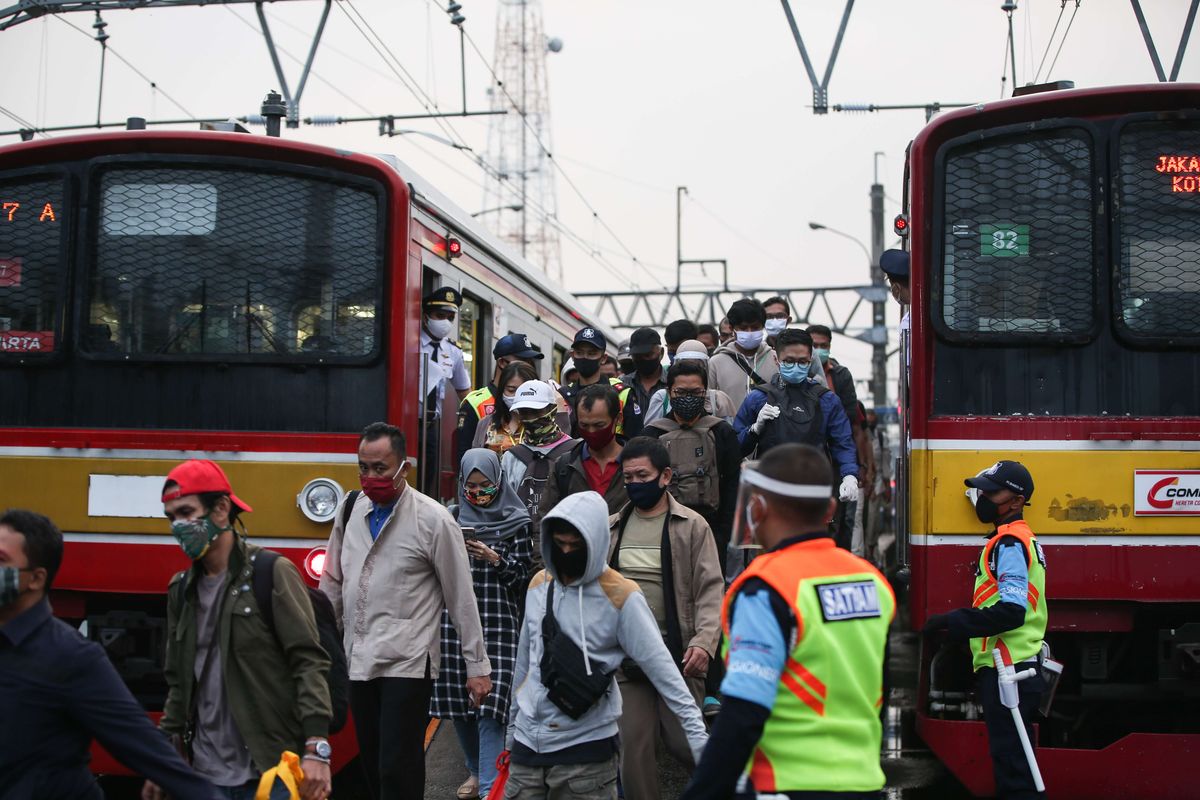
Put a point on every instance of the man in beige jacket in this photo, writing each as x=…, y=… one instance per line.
x=399, y=560
x=670, y=552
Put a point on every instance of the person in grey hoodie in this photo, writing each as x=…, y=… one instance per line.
x=553, y=756
x=747, y=361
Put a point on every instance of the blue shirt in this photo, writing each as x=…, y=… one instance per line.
x=757, y=651
x=58, y=691
x=1012, y=574
x=378, y=515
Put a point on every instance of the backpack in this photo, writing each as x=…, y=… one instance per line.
x=338, y=677
x=537, y=473
x=695, y=479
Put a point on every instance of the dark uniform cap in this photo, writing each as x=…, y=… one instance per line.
x=446, y=297
x=591, y=336
x=894, y=263
x=643, y=341
x=1004, y=475
x=515, y=345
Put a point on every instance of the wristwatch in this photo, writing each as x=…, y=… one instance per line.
x=320, y=748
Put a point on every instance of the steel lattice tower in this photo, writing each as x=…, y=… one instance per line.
x=520, y=205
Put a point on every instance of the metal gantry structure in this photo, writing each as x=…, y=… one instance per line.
x=519, y=143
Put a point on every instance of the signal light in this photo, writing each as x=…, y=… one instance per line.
x=453, y=247
x=314, y=562
x=900, y=225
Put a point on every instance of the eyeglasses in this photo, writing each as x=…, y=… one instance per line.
x=687, y=393
x=793, y=362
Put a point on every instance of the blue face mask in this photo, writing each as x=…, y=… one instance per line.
x=794, y=373
x=821, y=353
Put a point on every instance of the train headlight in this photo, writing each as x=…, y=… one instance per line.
x=314, y=563
x=319, y=499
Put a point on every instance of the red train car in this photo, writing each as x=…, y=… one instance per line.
x=1056, y=282
x=165, y=296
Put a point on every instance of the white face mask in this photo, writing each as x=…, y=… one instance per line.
x=748, y=340
x=776, y=326
x=508, y=401
x=439, y=328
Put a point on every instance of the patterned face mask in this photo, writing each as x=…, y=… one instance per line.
x=195, y=536
x=10, y=585
x=541, y=429
x=482, y=496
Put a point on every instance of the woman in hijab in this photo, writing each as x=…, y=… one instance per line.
x=497, y=539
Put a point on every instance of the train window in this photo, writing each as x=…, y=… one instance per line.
x=189, y=262
x=1158, y=185
x=469, y=330
x=1017, y=239
x=32, y=221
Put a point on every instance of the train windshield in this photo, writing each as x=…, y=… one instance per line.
x=32, y=240
x=1018, y=237
x=1158, y=277
x=186, y=262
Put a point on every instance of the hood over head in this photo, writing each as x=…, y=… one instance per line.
x=587, y=513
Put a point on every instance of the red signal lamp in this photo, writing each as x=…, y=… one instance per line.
x=314, y=562
x=900, y=225
x=453, y=247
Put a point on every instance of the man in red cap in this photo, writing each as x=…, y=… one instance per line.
x=240, y=691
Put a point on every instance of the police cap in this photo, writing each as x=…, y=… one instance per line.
x=445, y=297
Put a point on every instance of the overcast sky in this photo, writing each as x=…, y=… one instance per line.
x=645, y=96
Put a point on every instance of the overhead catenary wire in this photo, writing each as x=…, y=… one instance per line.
x=390, y=59
x=297, y=60
x=1050, y=42
x=1063, y=41
x=109, y=48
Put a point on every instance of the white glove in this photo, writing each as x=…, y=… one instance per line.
x=765, y=415
x=848, y=491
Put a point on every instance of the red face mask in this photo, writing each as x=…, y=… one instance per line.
x=598, y=440
x=381, y=489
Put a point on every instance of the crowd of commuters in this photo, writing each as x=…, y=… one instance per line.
x=567, y=609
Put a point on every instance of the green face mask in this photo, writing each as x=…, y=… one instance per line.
x=821, y=353
x=195, y=536
x=542, y=429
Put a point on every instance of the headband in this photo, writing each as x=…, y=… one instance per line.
x=798, y=490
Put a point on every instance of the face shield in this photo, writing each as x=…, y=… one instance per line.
x=752, y=502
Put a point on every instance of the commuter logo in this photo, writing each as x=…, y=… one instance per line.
x=1166, y=493
x=842, y=601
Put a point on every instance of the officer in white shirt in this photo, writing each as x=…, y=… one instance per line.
x=441, y=363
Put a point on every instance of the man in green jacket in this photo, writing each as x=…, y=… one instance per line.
x=238, y=692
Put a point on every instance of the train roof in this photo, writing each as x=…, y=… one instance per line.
x=1097, y=101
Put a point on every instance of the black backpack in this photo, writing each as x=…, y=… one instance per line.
x=327, y=628
x=537, y=473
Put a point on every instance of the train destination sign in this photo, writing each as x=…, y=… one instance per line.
x=1184, y=171
x=1166, y=493
x=17, y=210
x=26, y=341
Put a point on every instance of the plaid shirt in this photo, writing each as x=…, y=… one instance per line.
x=499, y=590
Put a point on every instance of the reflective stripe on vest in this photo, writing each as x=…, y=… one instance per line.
x=1023, y=643
x=623, y=396
x=824, y=731
x=482, y=402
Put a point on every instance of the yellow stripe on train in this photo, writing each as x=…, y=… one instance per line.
x=1084, y=493
x=104, y=495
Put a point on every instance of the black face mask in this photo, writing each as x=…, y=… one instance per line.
x=570, y=565
x=646, y=367
x=987, y=511
x=587, y=367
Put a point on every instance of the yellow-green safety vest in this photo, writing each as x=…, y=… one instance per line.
x=1023, y=643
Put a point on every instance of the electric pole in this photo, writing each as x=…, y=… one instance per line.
x=879, y=379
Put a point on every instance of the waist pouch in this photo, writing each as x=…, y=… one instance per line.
x=565, y=671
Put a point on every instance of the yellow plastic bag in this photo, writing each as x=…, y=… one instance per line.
x=289, y=774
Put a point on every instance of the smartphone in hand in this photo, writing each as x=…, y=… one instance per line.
x=468, y=533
